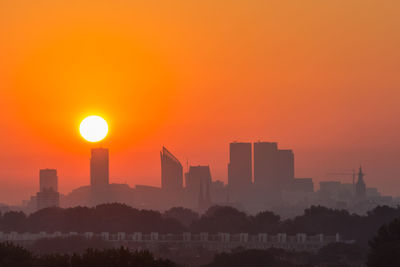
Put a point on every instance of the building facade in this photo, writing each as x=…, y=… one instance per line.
x=48, y=179
x=48, y=195
x=99, y=167
x=239, y=170
x=171, y=172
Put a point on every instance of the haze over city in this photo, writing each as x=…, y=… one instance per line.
x=318, y=77
x=206, y=133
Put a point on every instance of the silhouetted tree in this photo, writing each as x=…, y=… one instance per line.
x=15, y=256
x=13, y=221
x=118, y=257
x=185, y=216
x=12, y=255
x=342, y=254
x=266, y=222
x=73, y=244
x=103, y=218
x=257, y=258
x=222, y=219
x=385, y=246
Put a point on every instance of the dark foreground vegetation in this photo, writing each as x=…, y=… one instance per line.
x=384, y=251
x=376, y=237
x=334, y=255
x=122, y=218
x=15, y=256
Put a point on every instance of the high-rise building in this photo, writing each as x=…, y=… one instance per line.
x=48, y=195
x=99, y=173
x=285, y=168
x=239, y=169
x=198, y=180
x=196, y=177
x=48, y=179
x=171, y=172
x=273, y=167
x=266, y=165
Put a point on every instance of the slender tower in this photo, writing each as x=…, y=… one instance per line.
x=360, y=186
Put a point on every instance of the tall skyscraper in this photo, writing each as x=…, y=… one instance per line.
x=48, y=195
x=48, y=179
x=273, y=167
x=239, y=169
x=285, y=168
x=171, y=172
x=99, y=173
x=266, y=165
x=198, y=176
x=198, y=181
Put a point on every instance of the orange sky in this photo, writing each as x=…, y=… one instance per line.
x=321, y=77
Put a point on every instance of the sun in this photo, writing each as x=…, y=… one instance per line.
x=93, y=128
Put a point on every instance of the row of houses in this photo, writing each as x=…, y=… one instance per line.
x=215, y=242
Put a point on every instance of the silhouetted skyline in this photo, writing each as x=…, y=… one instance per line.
x=193, y=79
x=271, y=186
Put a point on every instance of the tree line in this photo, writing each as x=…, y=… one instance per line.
x=12, y=255
x=122, y=218
x=383, y=251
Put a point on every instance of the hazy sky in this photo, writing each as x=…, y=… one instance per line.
x=320, y=77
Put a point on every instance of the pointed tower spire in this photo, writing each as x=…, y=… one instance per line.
x=360, y=186
x=360, y=175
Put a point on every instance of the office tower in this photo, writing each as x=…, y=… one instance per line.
x=360, y=186
x=171, y=172
x=198, y=180
x=266, y=165
x=196, y=177
x=285, y=168
x=48, y=179
x=48, y=195
x=99, y=174
x=239, y=170
x=273, y=167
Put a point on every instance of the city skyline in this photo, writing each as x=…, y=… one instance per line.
x=99, y=170
x=261, y=176
x=319, y=78
x=199, y=133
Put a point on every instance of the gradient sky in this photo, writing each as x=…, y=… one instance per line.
x=320, y=77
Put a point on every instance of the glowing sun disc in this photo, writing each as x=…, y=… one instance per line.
x=93, y=128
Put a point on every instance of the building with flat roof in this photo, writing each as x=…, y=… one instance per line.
x=48, y=179
x=239, y=169
x=273, y=167
x=48, y=195
x=265, y=164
